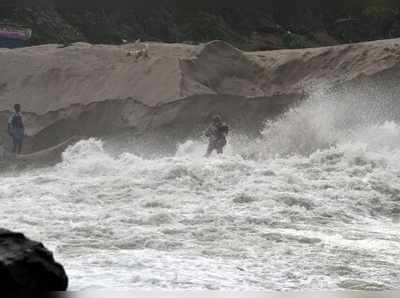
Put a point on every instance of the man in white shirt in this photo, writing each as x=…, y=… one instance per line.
x=216, y=135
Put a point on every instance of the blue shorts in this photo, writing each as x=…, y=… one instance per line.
x=18, y=136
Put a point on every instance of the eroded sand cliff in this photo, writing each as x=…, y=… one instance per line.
x=96, y=89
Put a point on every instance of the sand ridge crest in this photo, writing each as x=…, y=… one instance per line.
x=48, y=77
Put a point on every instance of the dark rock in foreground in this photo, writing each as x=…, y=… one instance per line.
x=27, y=266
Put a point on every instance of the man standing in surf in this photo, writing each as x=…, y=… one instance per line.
x=16, y=129
x=216, y=135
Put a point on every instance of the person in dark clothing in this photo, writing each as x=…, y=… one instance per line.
x=216, y=135
x=16, y=129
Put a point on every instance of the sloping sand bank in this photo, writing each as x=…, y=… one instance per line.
x=98, y=89
x=43, y=157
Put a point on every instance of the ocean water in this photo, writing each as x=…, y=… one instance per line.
x=312, y=204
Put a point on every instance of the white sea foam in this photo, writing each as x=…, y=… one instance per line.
x=313, y=202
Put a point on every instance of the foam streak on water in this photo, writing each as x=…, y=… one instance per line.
x=321, y=215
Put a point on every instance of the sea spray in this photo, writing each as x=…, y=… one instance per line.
x=313, y=203
x=323, y=121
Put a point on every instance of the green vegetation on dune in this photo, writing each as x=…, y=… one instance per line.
x=276, y=25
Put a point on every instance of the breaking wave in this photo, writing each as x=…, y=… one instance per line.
x=313, y=203
x=323, y=122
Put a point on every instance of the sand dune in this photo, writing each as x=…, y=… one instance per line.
x=91, y=89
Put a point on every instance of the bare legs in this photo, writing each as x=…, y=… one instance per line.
x=211, y=148
x=17, y=148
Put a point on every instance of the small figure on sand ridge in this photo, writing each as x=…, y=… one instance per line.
x=143, y=52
